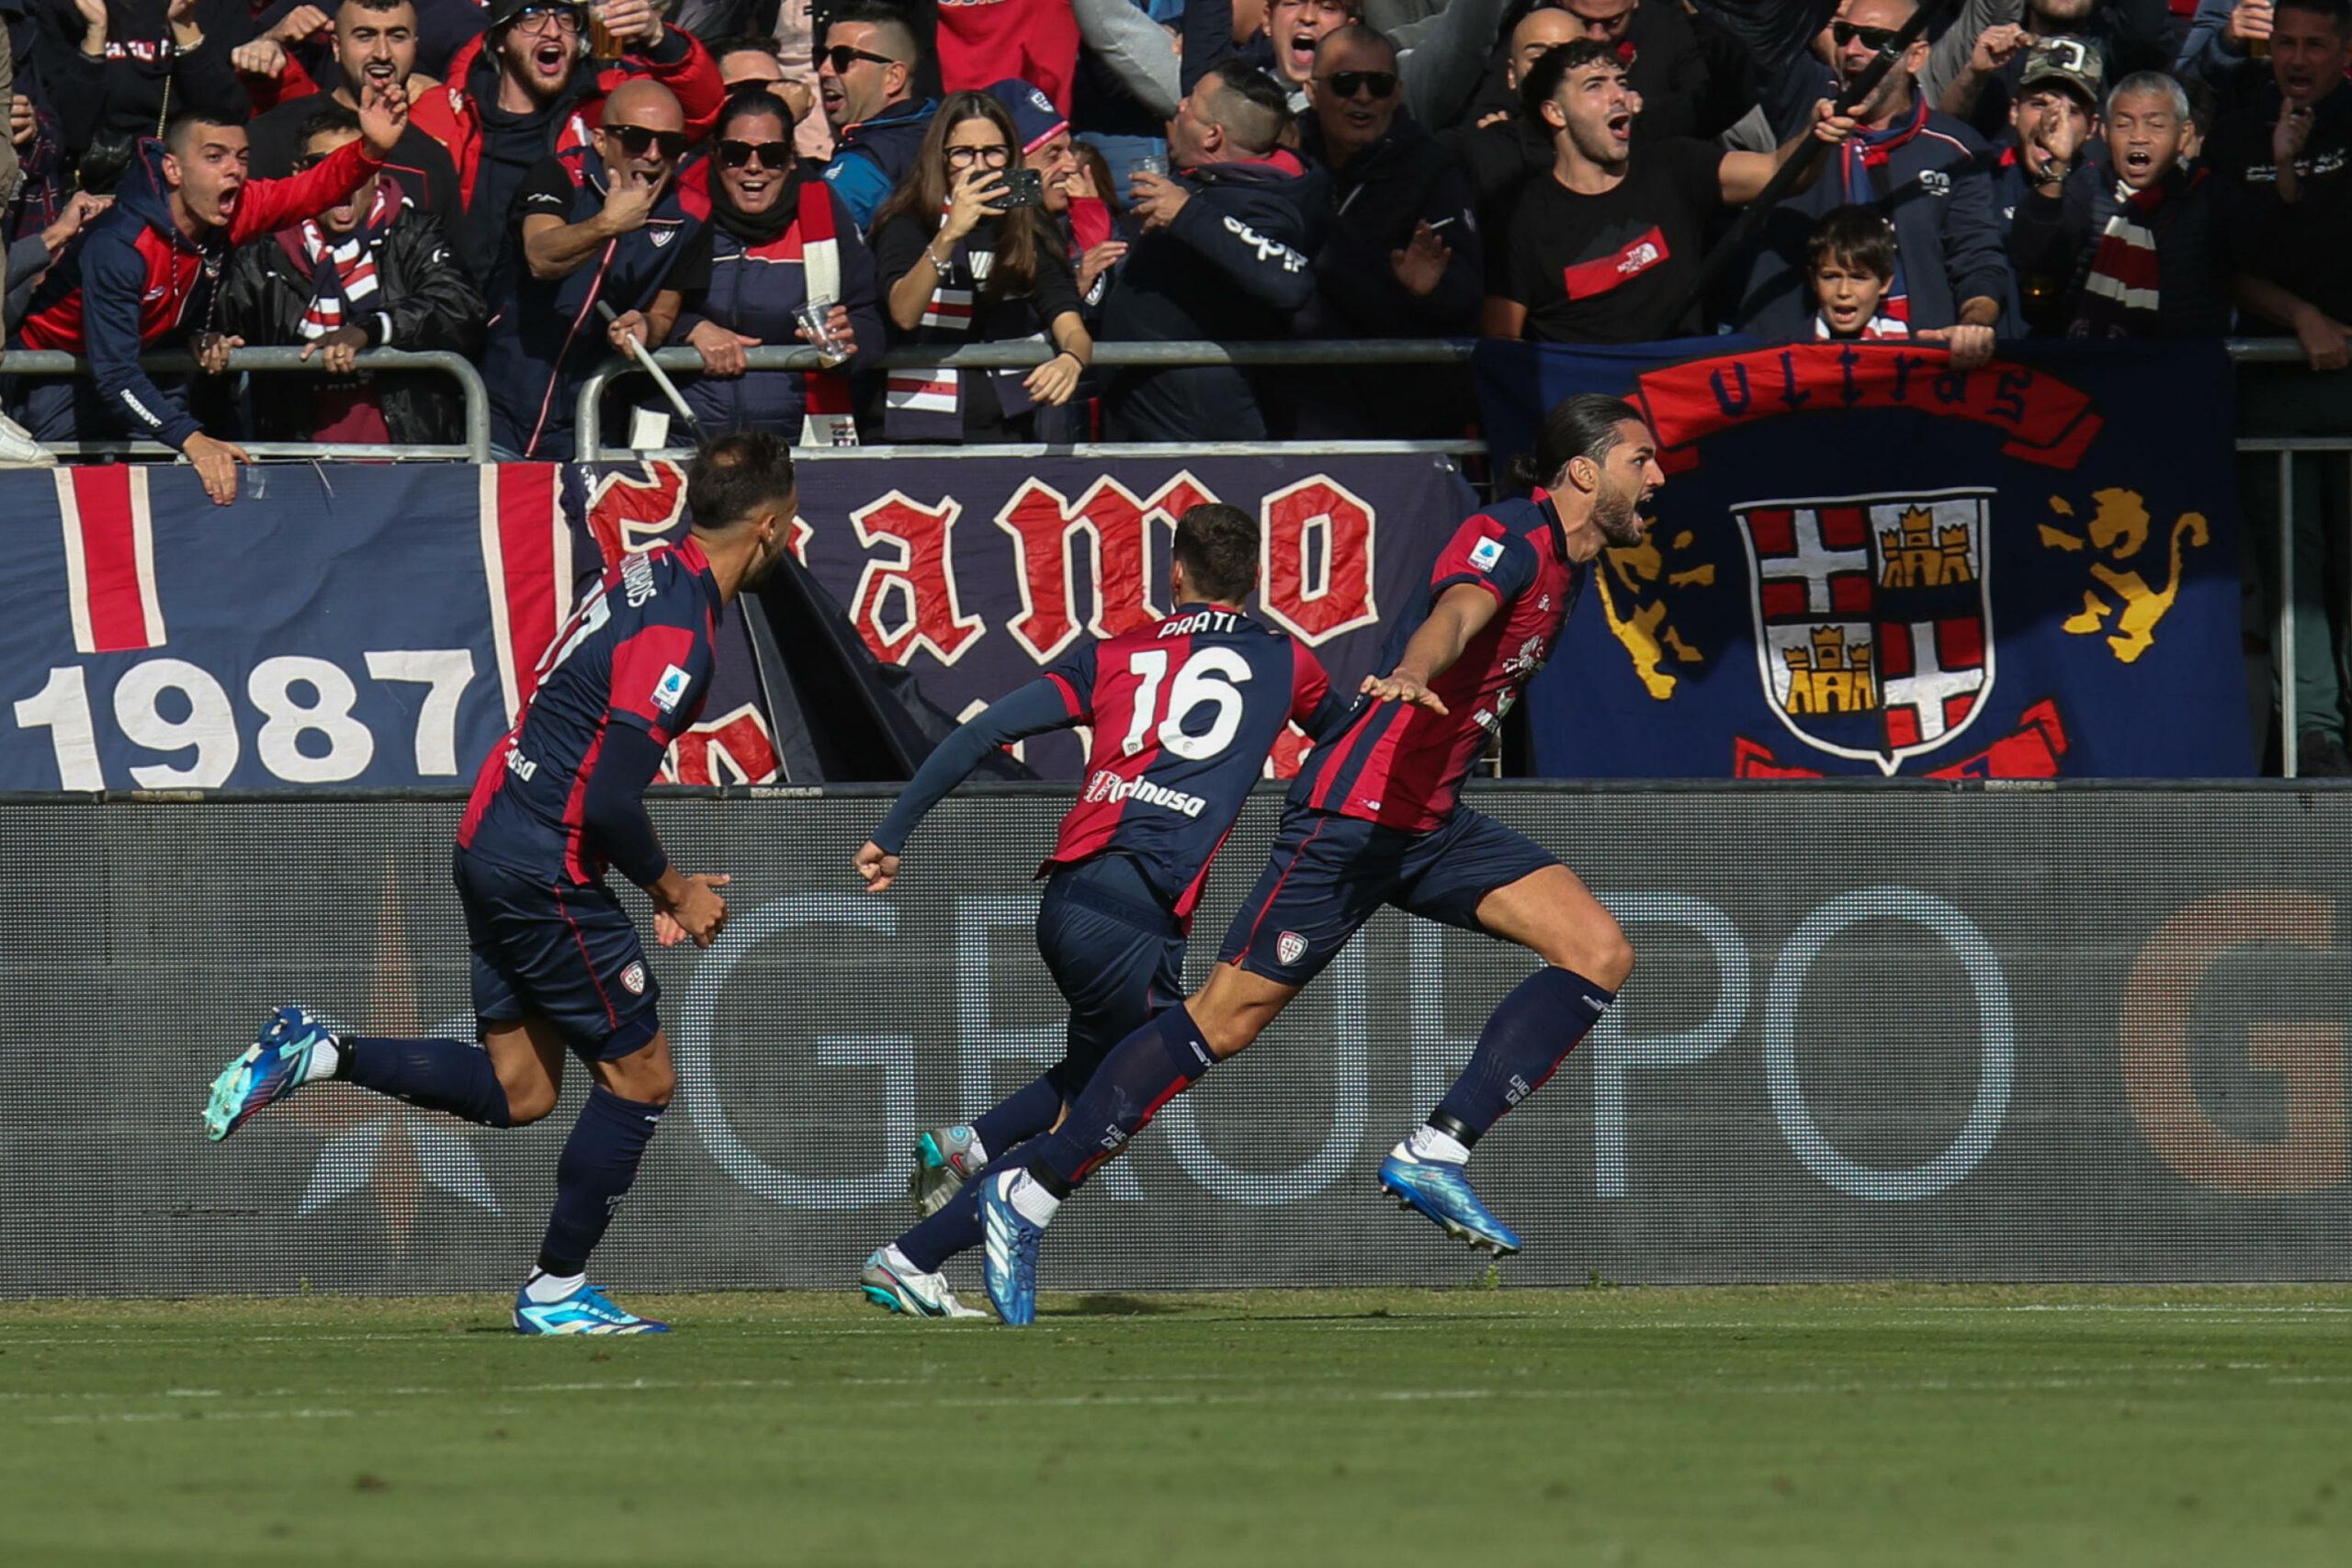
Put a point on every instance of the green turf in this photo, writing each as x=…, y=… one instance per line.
x=1816, y=1426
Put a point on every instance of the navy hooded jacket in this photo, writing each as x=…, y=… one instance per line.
x=132, y=281
x=1235, y=266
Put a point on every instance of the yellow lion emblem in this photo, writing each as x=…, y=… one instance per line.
x=1640, y=571
x=2120, y=528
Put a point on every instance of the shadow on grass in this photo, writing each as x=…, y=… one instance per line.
x=1119, y=1306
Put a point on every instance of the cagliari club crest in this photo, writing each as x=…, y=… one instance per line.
x=1873, y=618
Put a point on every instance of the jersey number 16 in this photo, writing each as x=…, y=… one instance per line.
x=1207, y=678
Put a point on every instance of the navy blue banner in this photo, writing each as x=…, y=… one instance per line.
x=1866, y=562
x=374, y=624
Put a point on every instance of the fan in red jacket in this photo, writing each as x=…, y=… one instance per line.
x=526, y=89
x=144, y=275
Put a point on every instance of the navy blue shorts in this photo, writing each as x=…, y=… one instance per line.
x=548, y=950
x=1329, y=874
x=1117, y=953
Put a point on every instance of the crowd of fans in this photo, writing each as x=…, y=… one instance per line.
x=535, y=184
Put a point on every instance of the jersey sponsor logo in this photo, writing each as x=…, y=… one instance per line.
x=1935, y=182
x=1527, y=660
x=1104, y=785
x=1289, y=947
x=1485, y=554
x=521, y=767
x=1602, y=274
x=670, y=689
x=633, y=977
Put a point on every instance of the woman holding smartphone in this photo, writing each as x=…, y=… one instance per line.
x=966, y=255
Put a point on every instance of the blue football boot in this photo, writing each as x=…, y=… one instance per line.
x=276, y=1064
x=1011, y=1250
x=585, y=1310
x=1441, y=1190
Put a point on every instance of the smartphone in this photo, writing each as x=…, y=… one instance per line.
x=1023, y=187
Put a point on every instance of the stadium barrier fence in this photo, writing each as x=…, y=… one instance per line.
x=1894, y=1030
x=51, y=363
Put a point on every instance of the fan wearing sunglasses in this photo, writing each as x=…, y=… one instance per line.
x=779, y=239
x=866, y=80
x=528, y=90
x=1926, y=172
x=1399, y=256
x=594, y=225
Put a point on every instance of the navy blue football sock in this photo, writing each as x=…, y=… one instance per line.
x=1018, y=1117
x=1143, y=1072
x=1525, y=1040
x=440, y=1075
x=598, y=1167
x=929, y=1244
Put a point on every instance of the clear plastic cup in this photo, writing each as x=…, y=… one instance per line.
x=816, y=320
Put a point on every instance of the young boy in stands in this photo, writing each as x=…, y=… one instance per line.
x=1850, y=260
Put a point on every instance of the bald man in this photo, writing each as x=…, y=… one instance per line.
x=600, y=222
x=1502, y=145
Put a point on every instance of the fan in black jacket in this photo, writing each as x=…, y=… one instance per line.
x=139, y=64
x=371, y=273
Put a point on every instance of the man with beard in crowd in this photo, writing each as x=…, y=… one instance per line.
x=526, y=90
x=375, y=42
x=1606, y=248
x=866, y=80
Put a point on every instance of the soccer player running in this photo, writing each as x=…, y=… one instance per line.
x=557, y=965
x=1183, y=711
x=1373, y=819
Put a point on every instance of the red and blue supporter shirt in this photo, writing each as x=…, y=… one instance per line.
x=637, y=652
x=1402, y=766
x=1183, y=713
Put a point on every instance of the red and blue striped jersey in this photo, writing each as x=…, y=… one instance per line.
x=1402, y=767
x=1183, y=713
x=636, y=651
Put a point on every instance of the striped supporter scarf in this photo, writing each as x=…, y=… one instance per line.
x=926, y=403
x=826, y=418
x=343, y=272
x=1862, y=161
x=2123, y=289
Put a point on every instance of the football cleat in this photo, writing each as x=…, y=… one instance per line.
x=276, y=1064
x=1009, y=1261
x=945, y=1159
x=585, y=1310
x=893, y=1285
x=1441, y=1190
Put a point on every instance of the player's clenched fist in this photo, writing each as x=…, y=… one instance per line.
x=696, y=912
x=877, y=865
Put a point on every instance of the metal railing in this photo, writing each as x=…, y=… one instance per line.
x=588, y=422
x=45, y=361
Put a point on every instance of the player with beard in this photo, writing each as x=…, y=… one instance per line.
x=526, y=89
x=1374, y=818
x=557, y=964
x=1607, y=248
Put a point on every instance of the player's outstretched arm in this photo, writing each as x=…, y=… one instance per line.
x=1044, y=703
x=1461, y=612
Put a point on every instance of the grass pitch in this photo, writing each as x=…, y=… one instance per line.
x=1785, y=1426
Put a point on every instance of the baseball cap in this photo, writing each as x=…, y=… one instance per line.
x=1033, y=114
x=2070, y=62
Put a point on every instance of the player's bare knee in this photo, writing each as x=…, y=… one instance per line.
x=1595, y=948
x=527, y=1100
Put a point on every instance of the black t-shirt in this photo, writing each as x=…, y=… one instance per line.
x=899, y=244
x=1610, y=268
x=420, y=163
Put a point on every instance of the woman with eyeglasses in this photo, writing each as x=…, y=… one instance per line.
x=966, y=255
x=779, y=240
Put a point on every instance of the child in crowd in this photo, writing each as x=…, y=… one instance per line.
x=1851, y=259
